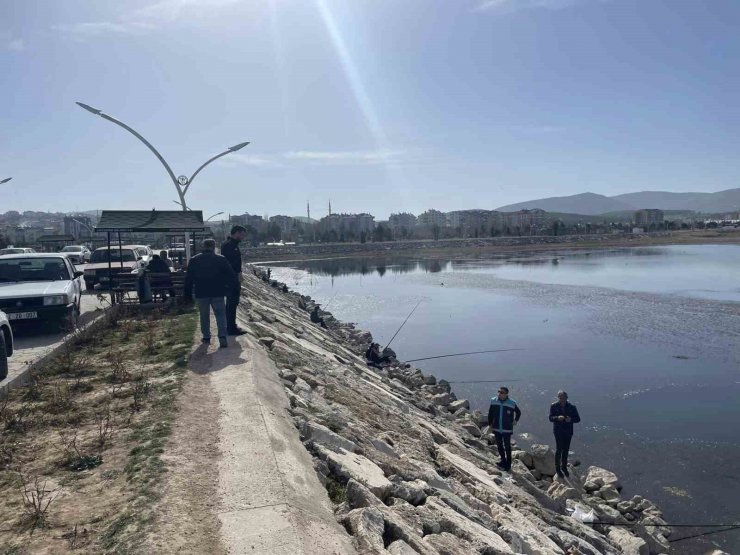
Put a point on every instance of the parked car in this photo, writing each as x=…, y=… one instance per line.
x=15, y=250
x=39, y=287
x=127, y=259
x=6, y=344
x=78, y=254
x=145, y=252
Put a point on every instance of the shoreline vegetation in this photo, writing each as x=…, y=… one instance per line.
x=474, y=247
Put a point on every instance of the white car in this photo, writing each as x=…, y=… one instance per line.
x=78, y=254
x=40, y=287
x=6, y=344
x=15, y=250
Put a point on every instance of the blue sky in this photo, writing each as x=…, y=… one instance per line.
x=378, y=105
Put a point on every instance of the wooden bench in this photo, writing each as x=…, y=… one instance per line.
x=160, y=284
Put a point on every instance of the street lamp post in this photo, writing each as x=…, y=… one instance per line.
x=208, y=219
x=182, y=183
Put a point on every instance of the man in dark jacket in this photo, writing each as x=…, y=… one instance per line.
x=230, y=250
x=563, y=415
x=502, y=417
x=212, y=277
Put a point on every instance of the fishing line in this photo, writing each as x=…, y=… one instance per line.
x=463, y=354
x=402, y=325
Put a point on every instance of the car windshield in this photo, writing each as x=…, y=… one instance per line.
x=101, y=255
x=12, y=251
x=72, y=249
x=33, y=269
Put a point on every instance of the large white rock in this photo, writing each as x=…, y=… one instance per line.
x=400, y=547
x=543, y=459
x=602, y=477
x=321, y=434
x=367, y=527
x=523, y=534
x=351, y=465
x=454, y=406
x=483, y=539
x=627, y=543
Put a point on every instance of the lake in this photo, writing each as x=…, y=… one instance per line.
x=645, y=340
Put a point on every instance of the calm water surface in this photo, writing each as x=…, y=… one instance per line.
x=645, y=340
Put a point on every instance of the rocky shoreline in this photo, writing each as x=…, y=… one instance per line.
x=408, y=465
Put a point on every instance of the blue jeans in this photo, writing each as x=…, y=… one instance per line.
x=219, y=311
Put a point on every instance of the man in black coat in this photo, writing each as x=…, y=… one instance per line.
x=230, y=250
x=563, y=415
x=211, y=276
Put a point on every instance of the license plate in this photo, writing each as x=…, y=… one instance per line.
x=22, y=315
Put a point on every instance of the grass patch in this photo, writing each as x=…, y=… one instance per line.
x=337, y=491
x=81, y=447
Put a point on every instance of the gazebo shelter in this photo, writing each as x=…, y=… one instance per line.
x=147, y=221
x=54, y=242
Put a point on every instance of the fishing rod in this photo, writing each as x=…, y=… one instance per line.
x=402, y=325
x=330, y=300
x=463, y=354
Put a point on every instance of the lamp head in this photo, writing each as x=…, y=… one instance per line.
x=238, y=147
x=89, y=108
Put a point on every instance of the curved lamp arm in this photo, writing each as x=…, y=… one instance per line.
x=224, y=153
x=5, y=180
x=138, y=136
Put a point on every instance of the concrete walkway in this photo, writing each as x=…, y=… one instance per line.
x=268, y=497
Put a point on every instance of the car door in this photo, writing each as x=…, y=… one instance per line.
x=74, y=282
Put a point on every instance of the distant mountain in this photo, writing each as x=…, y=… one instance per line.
x=585, y=203
x=722, y=201
x=592, y=204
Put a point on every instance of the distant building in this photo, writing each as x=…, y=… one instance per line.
x=475, y=222
x=431, y=218
x=527, y=221
x=648, y=216
x=401, y=224
x=257, y=222
x=348, y=225
x=284, y=222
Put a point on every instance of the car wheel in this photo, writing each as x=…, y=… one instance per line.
x=3, y=357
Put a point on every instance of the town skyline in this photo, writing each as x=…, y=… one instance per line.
x=431, y=104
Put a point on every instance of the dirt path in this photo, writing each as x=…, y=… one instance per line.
x=187, y=520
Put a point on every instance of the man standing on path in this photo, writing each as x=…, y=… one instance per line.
x=230, y=250
x=563, y=415
x=212, y=276
x=502, y=417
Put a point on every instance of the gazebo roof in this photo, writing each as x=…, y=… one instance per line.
x=150, y=220
x=55, y=238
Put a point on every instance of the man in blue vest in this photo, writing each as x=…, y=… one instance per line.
x=563, y=415
x=502, y=417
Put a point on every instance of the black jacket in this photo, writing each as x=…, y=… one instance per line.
x=157, y=266
x=502, y=415
x=211, y=274
x=230, y=250
x=561, y=427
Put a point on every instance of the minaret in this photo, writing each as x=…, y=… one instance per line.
x=308, y=211
x=330, y=207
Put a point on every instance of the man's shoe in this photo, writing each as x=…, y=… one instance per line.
x=222, y=343
x=206, y=340
x=559, y=473
x=237, y=331
x=501, y=465
x=565, y=471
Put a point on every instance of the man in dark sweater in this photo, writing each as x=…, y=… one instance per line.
x=212, y=276
x=230, y=250
x=563, y=415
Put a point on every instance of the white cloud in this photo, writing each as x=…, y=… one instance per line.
x=17, y=45
x=509, y=6
x=346, y=156
x=148, y=18
x=249, y=160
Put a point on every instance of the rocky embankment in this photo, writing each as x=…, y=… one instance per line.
x=407, y=464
